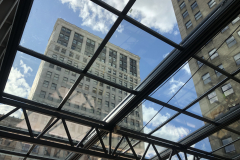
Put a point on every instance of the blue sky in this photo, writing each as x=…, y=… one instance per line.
x=151, y=50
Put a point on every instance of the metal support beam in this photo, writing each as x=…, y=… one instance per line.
x=145, y=152
x=156, y=151
x=67, y=131
x=9, y=113
x=114, y=151
x=110, y=143
x=101, y=141
x=133, y=151
x=28, y=123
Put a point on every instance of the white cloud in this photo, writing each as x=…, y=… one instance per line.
x=149, y=112
x=25, y=67
x=176, y=33
x=165, y=55
x=186, y=68
x=147, y=12
x=17, y=84
x=175, y=85
x=4, y=109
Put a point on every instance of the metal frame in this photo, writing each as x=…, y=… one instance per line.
x=211, y=25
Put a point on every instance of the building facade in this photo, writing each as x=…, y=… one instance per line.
x=75, y=46
x=222, y=51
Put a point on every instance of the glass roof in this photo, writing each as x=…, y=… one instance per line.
x=80, y=73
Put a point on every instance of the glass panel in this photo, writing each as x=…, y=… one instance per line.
x=178, y=128
x=203, y=145
x=9, y=157
x=169, y=90
x=139, y=52
x=16, y=146
x=147, y=14
x=218, y=105
x=49, y=152
x=42, y=82
x=224, y=137
x=90, y=17
x=16, y=120
x=94, y=99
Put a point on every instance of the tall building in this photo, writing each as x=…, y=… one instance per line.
x=223, y=52
x=75, y=46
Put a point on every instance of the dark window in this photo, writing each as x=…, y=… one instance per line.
x=188, y=24
x=212, y=97
x=213, y=54
x=185, y=14
x=198, y=15
x=194, y=5
x=231, y=41
x=227, y=89
x=206, y=78
x=45, y=84
x=224, y=29
x=42, y=94
x=237, y=59
x=229, y=148
x=211, y=3
x=218, y=73
x=182, y=5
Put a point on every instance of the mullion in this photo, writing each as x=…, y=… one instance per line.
x=71, y=68
x=67, y=131
x=137, y=24
x=9, y=113
x=28, y=123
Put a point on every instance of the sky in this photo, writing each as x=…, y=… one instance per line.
x=156, y=14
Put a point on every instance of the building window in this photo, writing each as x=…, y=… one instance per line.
x=65, y=79
x=80, y=85
x=54, y=56
x=113, y=89
x=213, y=54
x=218, y=73
x=100, y=84
x=198, y=15
x=200, y=64
x=108, y=87
x=235, y=20
x=212, y=97
x=106, y=104
x=113, y=105
x=68, y=102
x=54, y=86
x=194, y=5
x=132, y=122
x=137, y=123
x=45, y=84
x=227, y=89
x=107, y=94
x=69, y=62
x=137, y=113
x=188, y=24
x=182, y=5
x=125, y=119
x=56, y=48
x=211, y=3
x=237, y=58
x=113, y=97
x=206, y=78
x=185, y=14
x=94, y=90
x=49, y=74
x=51, y=65
x=231, y=41
x=86, y=87
x=119, y=99
x=87, y=79
x=77, y=57
x=58, y=68
x=229, y=148
x=42, y=94
x=72, y=81
x=50, y=98
x=63, y=50
x=99, y=101
x=71, y=54
x=120, y=75
x=100, y=92
x=224, y=29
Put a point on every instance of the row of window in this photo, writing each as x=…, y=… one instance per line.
x=89, y=51
x=226, y=89
x=133, y=67
x=113, y=79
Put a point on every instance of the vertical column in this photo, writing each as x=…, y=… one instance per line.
x=71, y=38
